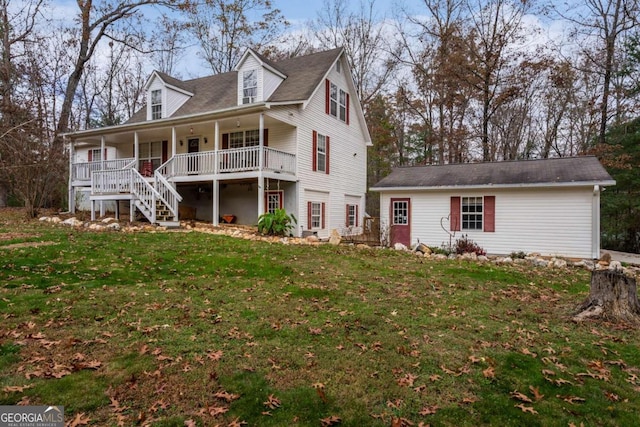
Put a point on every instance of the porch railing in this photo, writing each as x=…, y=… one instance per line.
x=82, y=171
x=228, y=161
x=169, y=196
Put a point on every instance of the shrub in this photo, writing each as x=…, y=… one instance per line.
x=464, y=245
x=517, y=255
x=277, y=223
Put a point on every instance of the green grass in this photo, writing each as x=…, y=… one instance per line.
x=161, y=328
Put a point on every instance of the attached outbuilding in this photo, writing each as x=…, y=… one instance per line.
x=547, y=206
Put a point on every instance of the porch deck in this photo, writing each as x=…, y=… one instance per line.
x=205, y=163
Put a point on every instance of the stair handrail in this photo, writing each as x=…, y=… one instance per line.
x=166, y=193
x=143, y=196
x=131, y=165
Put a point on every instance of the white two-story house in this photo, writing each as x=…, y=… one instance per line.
x=289, y=134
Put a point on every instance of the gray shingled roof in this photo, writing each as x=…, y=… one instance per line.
x=565, y=170
x=304, y=74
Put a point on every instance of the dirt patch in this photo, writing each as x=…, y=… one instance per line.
x=27, y=245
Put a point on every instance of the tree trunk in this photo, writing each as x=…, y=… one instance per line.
x=612, y=296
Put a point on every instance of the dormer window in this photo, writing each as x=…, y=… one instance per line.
x=249, y=86
x=156, y=104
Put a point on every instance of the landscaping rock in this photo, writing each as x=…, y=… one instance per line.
x=114, y=226
x=439, y=257
x=312, y=239
x=399, y=247
x=44, y=218
x=73, y=222
x=109, y=220
x=335, y=237
x=615, y=265
x=470, y=256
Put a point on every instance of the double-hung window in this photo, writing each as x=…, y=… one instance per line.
x=321, y=153
x=249, y=86
x=95, y=155
x=316, y=215
x=352, y=215
x=248, y=138
x=333, y=100
x=274, y=200
x=337, y=102
x=156, y=104
x=472, y=213
x=150, y=156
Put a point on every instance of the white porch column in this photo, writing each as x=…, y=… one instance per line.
x=216, y=147
x=216, y=200
x=136, y=148
x=174, y=141
x=72, y=192
x=261, y=208
x=102, y=156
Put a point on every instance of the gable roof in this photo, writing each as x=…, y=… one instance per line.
x=303, y=75
x=569, y=171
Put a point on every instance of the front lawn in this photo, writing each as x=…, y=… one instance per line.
x=186, y=328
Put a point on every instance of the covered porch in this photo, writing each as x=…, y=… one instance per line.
x=248, y=148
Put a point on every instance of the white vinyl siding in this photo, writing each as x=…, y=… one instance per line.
x=348, y=155
x=552, y=221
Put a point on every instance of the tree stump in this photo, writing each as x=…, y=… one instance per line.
x=612, y=296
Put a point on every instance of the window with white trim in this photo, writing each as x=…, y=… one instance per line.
x=274, y=200
x=249, y=86
x=149, y=155
x=321, y=153
x=95, y=155
x=156, y=104
x=333, y=100
x=472, y=210
x=316, y=215
x=400, y=212
x=343, y=106
x=244, y=138
x=352, y=215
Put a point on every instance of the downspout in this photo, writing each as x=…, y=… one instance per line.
x=595, y=222
x=72, y=196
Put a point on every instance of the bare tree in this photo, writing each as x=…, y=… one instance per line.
x=603, y=24
x=97, y=20
x=363, y=36
x=224, y=29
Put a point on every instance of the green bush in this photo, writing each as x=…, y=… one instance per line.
x=277, y=223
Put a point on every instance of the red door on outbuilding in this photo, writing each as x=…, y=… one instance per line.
x=400, y=216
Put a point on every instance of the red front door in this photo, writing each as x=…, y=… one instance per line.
x=400, y=215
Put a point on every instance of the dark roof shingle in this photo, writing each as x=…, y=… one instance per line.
x=304, y=74
x=564, y=170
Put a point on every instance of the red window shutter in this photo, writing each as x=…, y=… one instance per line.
x=308, y=215
x=357, y=216
x=105, y=154
x=165, y=151
x=327, y=156
x=322, y=217
x=265, y=137
x=454, y=215
x=347, y=108
x=314, y=151
x=327, y=91
x=346, y=221
x=90, y=156
x=490, y=213
x=225, y=141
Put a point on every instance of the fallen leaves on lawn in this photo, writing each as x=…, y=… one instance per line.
x=521, y=397
x=536, y=393
x=272, y=402
x=320, y=390
x=526, y=409
x=16, y=388
x=79, y=420
x=489, y=372
x=330, y=421
x=571, y=399
x=428, y=410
